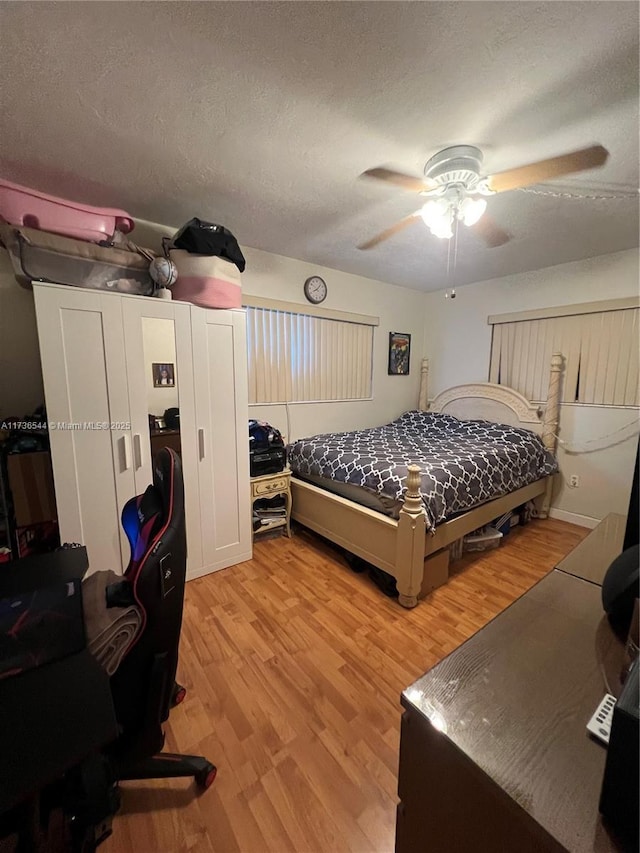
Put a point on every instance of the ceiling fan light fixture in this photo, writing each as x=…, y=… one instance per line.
x=472, y=209
x=453, y=181
x=459, y=164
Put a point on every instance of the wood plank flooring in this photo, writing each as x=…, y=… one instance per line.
x=294, y=666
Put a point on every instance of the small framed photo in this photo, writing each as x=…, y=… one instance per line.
x=164, y=375
x=399, y=353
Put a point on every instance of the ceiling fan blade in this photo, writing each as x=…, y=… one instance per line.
x=390, y=232
x=398, y=179
x=488, y=230
x=545, y=170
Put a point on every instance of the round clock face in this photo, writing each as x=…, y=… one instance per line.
x=315, y=289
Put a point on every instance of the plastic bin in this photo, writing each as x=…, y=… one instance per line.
x=483, y=540
x=504, y=523
x=41, y=256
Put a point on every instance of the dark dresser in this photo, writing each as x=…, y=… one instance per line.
x=494, y=753
x=165, y=438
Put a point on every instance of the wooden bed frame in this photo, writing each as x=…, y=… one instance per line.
x=419, y=561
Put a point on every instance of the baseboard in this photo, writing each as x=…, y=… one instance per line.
x=574, y=518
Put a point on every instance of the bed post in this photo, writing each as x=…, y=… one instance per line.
x=410, y=542
x=423, y=398
x=550, y=423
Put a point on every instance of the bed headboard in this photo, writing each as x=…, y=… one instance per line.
x=487, y=401
x=499, y=403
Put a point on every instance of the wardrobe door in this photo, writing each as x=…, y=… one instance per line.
x=157, y=339
x=220, y=374
x=85, y=382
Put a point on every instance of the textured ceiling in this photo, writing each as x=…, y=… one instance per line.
x=261, y=116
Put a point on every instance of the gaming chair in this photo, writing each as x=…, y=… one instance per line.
x=143, y=686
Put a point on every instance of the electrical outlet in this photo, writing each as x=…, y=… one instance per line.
x=574, y=481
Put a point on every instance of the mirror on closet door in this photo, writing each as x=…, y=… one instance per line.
x=162, y=380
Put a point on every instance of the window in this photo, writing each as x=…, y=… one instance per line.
x=295, y=357
x=598, y=340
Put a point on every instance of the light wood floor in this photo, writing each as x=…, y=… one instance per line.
x=294, y=667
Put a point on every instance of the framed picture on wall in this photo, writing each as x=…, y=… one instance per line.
x=164, y=375
x=399, y=353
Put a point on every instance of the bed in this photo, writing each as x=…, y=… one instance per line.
x=409, y=537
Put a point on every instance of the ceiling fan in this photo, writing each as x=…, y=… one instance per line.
x=455, y=187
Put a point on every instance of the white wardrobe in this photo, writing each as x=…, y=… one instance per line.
x=100, y=355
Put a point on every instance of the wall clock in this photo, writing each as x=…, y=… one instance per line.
x=315, y=289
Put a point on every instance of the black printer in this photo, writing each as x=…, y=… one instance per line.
x=267, y=453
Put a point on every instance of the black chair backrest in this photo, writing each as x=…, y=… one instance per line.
x=155, y=525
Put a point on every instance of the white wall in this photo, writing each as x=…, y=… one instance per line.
x=399, y=310
x=21, y=389
x=458, y=343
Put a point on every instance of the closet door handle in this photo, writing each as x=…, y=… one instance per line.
x=137, y=450
x=126, y=452
x=201, y=443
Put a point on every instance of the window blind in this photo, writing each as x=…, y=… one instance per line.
x=297, y=357
x=600, y=350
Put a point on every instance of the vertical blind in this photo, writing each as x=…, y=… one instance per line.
x=600, y=350
x=296, y=357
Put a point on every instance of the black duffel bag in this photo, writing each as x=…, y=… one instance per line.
x=205, y=238
x=263, y=435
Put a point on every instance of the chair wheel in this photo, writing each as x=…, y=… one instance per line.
x=204, y=778
x=178, y=694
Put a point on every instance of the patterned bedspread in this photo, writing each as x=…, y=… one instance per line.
x=463, y=463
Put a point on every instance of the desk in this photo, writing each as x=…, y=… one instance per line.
x=52, y=717
x=513, y=768
x=592, y=557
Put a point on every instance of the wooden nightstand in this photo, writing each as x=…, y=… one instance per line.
x=272, y=486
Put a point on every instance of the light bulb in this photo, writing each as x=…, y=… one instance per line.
x=441, y=229
x=433, y=211
x=472, y=209
x=437, y=216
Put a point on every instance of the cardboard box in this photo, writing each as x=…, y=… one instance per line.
x=436, y=571
x=31, y=484
x=37, y=539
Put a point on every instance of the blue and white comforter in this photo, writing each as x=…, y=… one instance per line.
x=463, y=463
